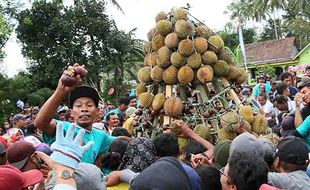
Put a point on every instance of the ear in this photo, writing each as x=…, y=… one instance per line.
x=276, y=163
x=233, y=187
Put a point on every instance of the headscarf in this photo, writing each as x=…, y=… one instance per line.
x=140, y=154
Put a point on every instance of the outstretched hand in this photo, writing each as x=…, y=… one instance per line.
x=67, y=150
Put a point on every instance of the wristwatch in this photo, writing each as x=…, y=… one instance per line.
x=65, y=174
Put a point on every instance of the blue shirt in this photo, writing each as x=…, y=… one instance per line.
x=100, y=138
x=194, y=178
x=304, y=130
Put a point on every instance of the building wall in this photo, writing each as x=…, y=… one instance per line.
x=304, y=58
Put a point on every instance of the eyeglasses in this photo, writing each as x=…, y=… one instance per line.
x=229, y=181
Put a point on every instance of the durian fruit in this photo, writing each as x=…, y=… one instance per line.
x=179, y=14
x=174, y=128
x=233, y=73
x=150, y=59
x=153, y=32
x=216, y=43
x=173, y=107
x=185, y=75
x=247, y=113
x=226, y=134
x=140, y=88
x=147, y=48
x=146, y=60
x=163, y=57
x=146, y=99
x=194, y=61
x=184, y=28
x=172, y=40
x=230, y=121
x=201, y=45
x=205, y=74
x=164, y=27
x=160, y=16
x=177, y=59
x=158, y=41
x=247, y=126
x=203, y=131
x=186, y=47
x=204, y=31
x=158, y=101
x=157, y=74
x=170, y=75
x=226, y=56
x=144, y=74
x=209, y=58
x=259, y=125
x=221, y=68
x=241, y=79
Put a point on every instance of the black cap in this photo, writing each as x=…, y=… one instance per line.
x=292, y=150
x=84, y=91
x=304, y=82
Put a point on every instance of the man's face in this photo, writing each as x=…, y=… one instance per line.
x=113, y=121
x=305, y=91
x=61, y=116
x=274, y=86
x=307, y=72
x=84, y=111
x=123, y=107
x=225, y=181
x=286, y=92
x=262, y=100
x=288, y=81
x=261, y=80
x=133, y=102
x=281, y=106
x=21, y=123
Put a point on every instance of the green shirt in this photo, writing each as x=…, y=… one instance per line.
x=100, y=138
x=304, y=130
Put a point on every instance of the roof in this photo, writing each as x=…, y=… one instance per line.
x=271, y=51
x=302, y=51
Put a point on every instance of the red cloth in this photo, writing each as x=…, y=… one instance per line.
x=3, y=141
x=267, y=187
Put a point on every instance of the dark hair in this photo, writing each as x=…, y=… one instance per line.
x=307, y=68
x=109, y=115
x=280, y=99
x=293, y=167
x=263, y=95
x=120, y=131
x=167, y=145
x=113, y=159
x=132, y=97
x=124, y=100
x=285, y=75
x=210, y=177
x=247, y=171
x=281, y=87
x=193, y=148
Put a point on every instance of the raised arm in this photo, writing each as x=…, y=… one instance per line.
x=298, y=118
x=44, y=120
x=190, y=133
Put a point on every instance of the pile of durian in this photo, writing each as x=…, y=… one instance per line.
x=181, y=51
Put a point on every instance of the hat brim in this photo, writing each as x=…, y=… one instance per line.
x=84, y=91
x=32, y=177
x=19, y=165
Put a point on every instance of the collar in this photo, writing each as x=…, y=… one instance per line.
x=87, y=131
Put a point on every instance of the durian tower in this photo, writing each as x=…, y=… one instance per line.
x=183, y=55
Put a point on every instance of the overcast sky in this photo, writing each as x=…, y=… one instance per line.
x=139, y=14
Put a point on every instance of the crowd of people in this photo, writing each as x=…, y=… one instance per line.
x=90, y=145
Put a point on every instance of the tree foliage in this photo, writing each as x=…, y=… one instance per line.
x=54, y=36
x=284, y=17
